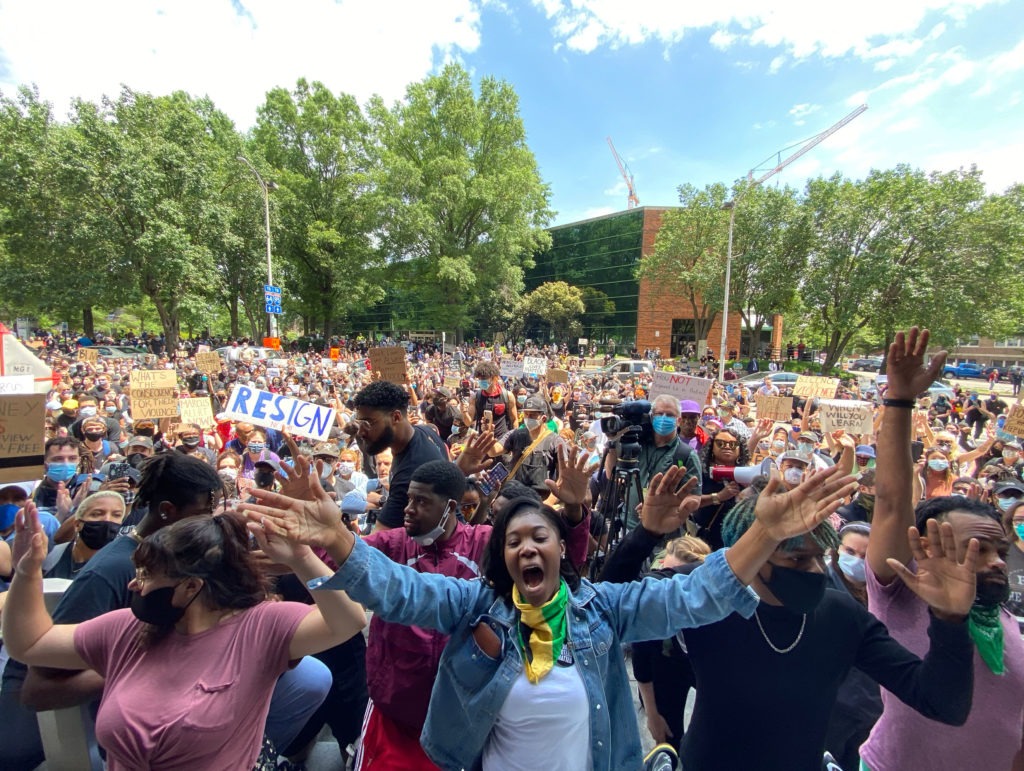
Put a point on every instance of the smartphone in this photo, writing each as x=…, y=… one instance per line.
x=488, y=417
x=492, y=480
x=118, y=471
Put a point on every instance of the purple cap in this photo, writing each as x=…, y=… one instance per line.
x=687, y=406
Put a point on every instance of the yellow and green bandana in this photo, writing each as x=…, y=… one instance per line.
x=546, y=632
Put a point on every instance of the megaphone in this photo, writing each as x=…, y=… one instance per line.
x=741, y=475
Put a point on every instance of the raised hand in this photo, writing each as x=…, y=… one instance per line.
x=314, y=522
x=473, y=458
x=907, y=374
x=30, y=546
x=789, y=514
x=573, y=478
x=296, y=480
x=666, y=509
x=945, y=579
x=277, y=549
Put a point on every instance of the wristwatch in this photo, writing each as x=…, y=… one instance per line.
x=715, y=499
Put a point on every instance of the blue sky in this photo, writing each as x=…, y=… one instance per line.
x=689, y=93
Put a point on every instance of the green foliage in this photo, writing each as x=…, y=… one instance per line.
x=558, y=305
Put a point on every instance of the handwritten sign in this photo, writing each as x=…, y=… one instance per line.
x=154, y=393
x=511, y=369
x=280, y=412
x=778, y=408
x=208, y=362
x=849, y=416
x=535, y=365
x=16, y=384
x=390, y=364
x=22, y=435
x=1015, y=420
x=558, y=376
x=815, y=387
x=198, y=411
x=681, y=386
x=89, y=355
x=280, y=363
x=451, y=383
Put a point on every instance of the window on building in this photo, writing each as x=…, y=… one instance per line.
x=1010, y=342
x=970, y=342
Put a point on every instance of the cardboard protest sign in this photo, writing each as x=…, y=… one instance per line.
x=390, y=364
x=22, y=435
x=681, y=387
x=16, y=384
x=284, y=413
x=279, y=363
x=777, y=408
x=198, y=410
x=815, y=387
x=535, y=365
x=154, y=393
x=558, y=376
x=208, y=363
x=849, y=416
x=511, y=368
x=451, y=383
x=202, y=349
x=1015, y=420
x=89, y=355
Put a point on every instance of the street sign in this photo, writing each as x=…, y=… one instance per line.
x=272, y=298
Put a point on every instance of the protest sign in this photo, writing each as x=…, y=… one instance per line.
x=198, y=410
x=208, y=363
x=558, y=376
x=452, y=384
x=284, y=413
x=1015, y=420
x=535, y=365
x=389, y=364
x=202, y=349
x=279, y=363
x=849, y=416
x=273, y=372
x=815, y=387
x=777, y=408
x=681, y=387
x=88, y=355
x=16, y=384
x=511, y=368
x=22, y=435
x=154, y=393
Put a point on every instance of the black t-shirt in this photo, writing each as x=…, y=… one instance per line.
x=498, y=405
x=424, y=447
x=1015, y=574
x=542, y=463
x=443, y=418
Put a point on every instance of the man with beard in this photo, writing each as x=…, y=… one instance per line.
x=902, y=739
x=381, y=422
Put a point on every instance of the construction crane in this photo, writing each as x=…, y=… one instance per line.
x=805, y=147
x=632, y=199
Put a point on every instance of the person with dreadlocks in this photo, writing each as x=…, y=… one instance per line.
x=781, y=667
x=533, y=674
x=992, y=736
x=173, y=487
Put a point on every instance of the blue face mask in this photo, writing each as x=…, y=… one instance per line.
x=1005, y=503
x=663, y=425
x=1019, y=530
x=938, y=464
x=61, y=472
x=483, y=385
x=853, y=567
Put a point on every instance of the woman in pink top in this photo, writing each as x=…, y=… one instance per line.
x=190, y=667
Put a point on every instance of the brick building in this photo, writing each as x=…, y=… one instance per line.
x=603, y=253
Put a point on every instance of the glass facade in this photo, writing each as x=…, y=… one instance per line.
x=601, y=255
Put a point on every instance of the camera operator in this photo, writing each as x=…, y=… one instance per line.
x=660, y=448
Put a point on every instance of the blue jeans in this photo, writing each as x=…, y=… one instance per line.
x=298, y=694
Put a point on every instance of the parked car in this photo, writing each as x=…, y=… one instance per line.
x=626, y=369
x=136, y=352
x=779, y=379
x=936, y=389
x=869, y=364
x=231, y=353
x=1001, y=372
x=964, y=369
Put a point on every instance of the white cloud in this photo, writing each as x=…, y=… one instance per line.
x=232, y=56
x=722, y=39
x=1001, y=164
x=800, y=111
x=901, y=126
x=776, y=64
x=618, y=189
x=1009, y=61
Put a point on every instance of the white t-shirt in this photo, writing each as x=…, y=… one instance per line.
x=546, y=725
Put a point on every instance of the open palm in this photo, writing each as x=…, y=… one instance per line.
x=789, y=514
x=907, y=374
x=665, y=508
x=947, y=584
x=312, y=522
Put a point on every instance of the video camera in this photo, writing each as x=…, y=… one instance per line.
x=636, y=414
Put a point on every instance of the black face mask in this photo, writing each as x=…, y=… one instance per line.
x=991, y=593
x=264, y=479
x=136, y=459
x=92, y=436
x=798, y=590
x=96, y=535
x=156, y=608
x=190, y=441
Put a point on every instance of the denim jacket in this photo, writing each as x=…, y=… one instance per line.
x=471, y=687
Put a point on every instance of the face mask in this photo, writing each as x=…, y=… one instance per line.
x=156, y=608
x=190, y=441
x=867, y=502
x=92, y=436
x=346, y=468
x=663, y=425
x=255, y=447
x=96, y=535
x=1005, y=503
x=60, y=472
x=7, y=514
x=521, y=400
x=793, y=476
x=87, y=412
x=264, y=478
x=110, y=410
x=798, y=590
x=763, y=445
x=805, y=448
x=778, y=446
x=938, y=464
x=724, y=414
x=427, y=539
x=1019, y=530
x=852, y=566
x=135, y=459
x=228, y=474
x=531, y=423
x=483, y=385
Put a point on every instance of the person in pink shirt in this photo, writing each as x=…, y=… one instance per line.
x=191, y=665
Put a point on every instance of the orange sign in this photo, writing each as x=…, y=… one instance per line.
x=272, y=342
x=335, y=354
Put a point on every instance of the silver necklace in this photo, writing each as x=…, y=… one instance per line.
x=771, y=645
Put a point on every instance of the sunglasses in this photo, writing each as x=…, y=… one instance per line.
x=725, y=445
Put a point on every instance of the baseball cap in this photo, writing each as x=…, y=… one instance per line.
x=689, y=406
x=794, y=455
x=140, y=441
x=535, y=404
x=328, y=449
x=70, y=404
x=1011, y=485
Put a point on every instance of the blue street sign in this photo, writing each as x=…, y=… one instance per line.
x=274, y=307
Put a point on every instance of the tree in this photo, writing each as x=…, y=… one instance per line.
x=598, y=310
x=558, y=305
x=463, y=205
x=689, y=254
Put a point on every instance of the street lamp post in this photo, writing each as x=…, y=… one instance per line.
x=266, y=187
x=731, y=206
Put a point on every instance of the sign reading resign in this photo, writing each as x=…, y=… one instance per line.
x=284, y=413
x=848, y=416
x=535, y=365
x=154, y=393
x=815, y=387
x=778, y=408
x=681, y=387
x=389, y=363
x=22, y=435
